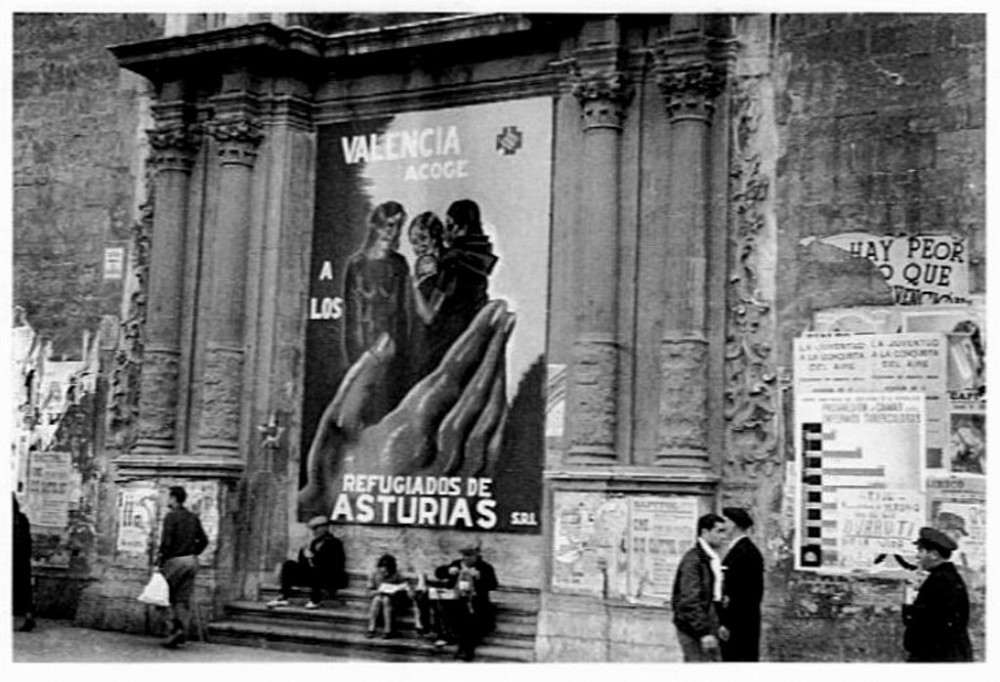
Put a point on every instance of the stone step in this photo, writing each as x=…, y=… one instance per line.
x=360, y=579
x=350, y=601
x=506, y=600
x=351, y=644
x=338, y=627
x=339, y=615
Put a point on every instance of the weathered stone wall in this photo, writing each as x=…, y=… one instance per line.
x=880, y=124
x=76, y=125
x=77, y=180
x=881, y=119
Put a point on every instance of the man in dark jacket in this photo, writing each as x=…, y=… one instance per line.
x=742, y=591
x=23, y=589
x=937, y=622
x=698, y=593
x=471, y=615
x=182, y=540
x=320, y=566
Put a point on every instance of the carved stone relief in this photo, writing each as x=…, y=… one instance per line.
x=238, y=138
x=751, y=378
x=174, y=147
x=220, y=418
x=683, y=397
x=603, y=98
x=690, y=91
x=593, y=405
x=158, y=401
x=126, y=374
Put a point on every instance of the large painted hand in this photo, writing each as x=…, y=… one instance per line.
x=340, y=422
x=450, y=423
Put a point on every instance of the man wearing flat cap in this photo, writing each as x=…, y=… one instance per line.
x=320, y=566
x=742, y=591
x=471, y=615
x=937, y=622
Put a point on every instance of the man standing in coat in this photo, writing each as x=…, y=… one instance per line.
x=742, y=591
x=182, y=540
x=698, y=593
x=22, y=583
x=937, y=622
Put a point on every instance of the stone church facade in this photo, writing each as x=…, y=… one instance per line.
x=702, y=169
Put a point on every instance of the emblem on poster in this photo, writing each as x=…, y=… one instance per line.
x=509, y=141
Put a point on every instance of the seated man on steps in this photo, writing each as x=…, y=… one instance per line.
x=471, y=614
x=320, y=566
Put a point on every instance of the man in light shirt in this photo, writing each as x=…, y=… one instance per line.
x=698, y=593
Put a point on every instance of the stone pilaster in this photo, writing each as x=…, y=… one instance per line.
x=237, y=134
x=604, y=95
x=691, y=76
x=174, y=145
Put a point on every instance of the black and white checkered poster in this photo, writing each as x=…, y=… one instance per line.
x=860, y=476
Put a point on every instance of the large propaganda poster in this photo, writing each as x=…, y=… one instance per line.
x=425, y=372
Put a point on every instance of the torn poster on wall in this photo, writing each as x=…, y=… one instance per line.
x=914, y=363
x=618, y=546
x=957, y=507
x=137, y=518
x=921, y=269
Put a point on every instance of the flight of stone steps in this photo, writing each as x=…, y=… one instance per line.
x=338, y=628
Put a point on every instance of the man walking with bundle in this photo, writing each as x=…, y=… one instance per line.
x=182, y=540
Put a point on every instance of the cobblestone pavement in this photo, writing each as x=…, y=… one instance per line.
x=56, y=641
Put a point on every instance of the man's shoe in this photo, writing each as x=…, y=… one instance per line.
x=370, y=634
x=312, y=605
x=280, y=601
x=175, y=639
x=440, y=643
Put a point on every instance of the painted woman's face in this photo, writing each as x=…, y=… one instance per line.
x=389, y=233
x=420, y=240
x=452, y=230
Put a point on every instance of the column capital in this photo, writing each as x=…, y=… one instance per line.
x=174, y=146
x=690, y=90
x=604, y=97
x=238, y=137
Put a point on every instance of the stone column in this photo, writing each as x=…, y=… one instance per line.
x=603, y=97
x=238, y=135
x=690, y=89
x=174, y=144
